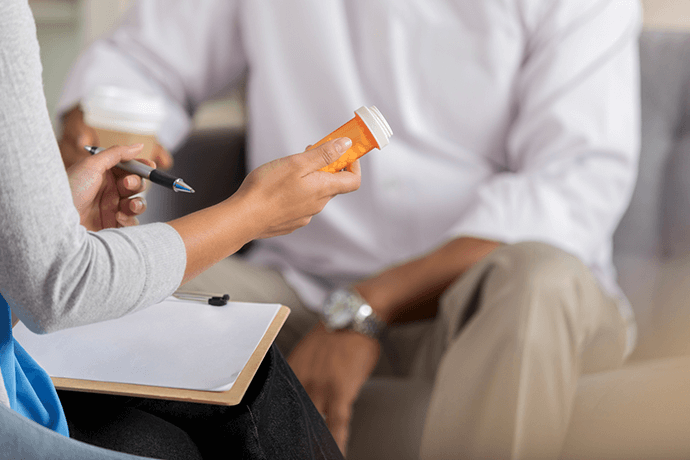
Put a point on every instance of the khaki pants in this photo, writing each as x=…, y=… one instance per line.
x=504, y=354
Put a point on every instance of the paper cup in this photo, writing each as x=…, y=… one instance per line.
x=124, y=116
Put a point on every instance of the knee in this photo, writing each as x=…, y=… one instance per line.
x=547, y=290
x=541, y=266
x=512, y=276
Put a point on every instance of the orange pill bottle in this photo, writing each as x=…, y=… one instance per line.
x=367, y=130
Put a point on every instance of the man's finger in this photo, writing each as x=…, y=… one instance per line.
x=318, y=397
x=86, y=137
x=76, y=130
x=338, y=416
x=162, y=157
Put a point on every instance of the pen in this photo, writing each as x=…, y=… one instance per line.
x=215, y=300
x=147, y=172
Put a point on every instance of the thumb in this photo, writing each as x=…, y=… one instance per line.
x=109, y=158
x=327, y=153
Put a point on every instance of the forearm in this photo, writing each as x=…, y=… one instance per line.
x=216, y=232
x=275, y=199
x=411, y=291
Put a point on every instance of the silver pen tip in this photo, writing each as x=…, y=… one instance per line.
x=180, y=186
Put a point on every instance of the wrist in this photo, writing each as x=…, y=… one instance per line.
x=385, y=293
x=345, y=309
x=213, y=233
x=251, y=212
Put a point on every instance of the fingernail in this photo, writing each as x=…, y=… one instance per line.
x=343, y=144
x=137, y=205
x=136, y=146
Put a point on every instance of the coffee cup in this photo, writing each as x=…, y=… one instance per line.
x=122, y=116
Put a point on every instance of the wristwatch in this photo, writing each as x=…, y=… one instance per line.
x=344, y=308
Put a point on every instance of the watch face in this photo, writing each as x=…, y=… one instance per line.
x=338, y=311
x=363, y=312
x=340, y=318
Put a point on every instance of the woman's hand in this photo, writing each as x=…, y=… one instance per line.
x=102, y=194
x=291, y=190
x=274, y=199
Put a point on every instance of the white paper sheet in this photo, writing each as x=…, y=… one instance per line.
x=178, y=344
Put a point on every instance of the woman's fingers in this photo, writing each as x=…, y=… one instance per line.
x=322, y=156
x=355, y=168
x=124, y=220
x=131, y=184
x=133, y=206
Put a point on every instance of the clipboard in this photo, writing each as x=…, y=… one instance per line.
x=40, y=349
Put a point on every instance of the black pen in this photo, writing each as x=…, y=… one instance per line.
x=147, y=172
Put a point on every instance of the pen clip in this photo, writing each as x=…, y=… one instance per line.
x=216, y=301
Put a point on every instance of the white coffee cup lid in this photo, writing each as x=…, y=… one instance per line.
x=123, y=109
x=378, y=125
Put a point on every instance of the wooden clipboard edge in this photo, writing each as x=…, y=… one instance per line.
x=225, y=398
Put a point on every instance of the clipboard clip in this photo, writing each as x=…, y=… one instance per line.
x=216, y=301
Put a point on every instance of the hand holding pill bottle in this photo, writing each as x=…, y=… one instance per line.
x=368, y=129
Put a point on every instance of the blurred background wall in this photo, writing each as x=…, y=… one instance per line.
x=667, y=14
x=65, y=27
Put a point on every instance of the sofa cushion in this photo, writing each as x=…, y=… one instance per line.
x=656, y=226
x=638, y=412
x=665, y=82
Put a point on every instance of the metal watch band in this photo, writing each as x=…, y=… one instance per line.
x=362, y=319
x=367, y=322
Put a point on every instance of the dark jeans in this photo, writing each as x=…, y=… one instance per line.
x=275, y=420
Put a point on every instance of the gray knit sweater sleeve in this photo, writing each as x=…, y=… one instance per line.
x=53, y=273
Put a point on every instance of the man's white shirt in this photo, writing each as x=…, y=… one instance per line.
x=513, y=120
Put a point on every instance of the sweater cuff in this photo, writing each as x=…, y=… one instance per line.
x=166, y=260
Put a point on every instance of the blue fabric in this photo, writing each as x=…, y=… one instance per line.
x=29, y=388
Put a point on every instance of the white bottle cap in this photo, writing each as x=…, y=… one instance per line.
x=378, y=125
x=123, y=109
